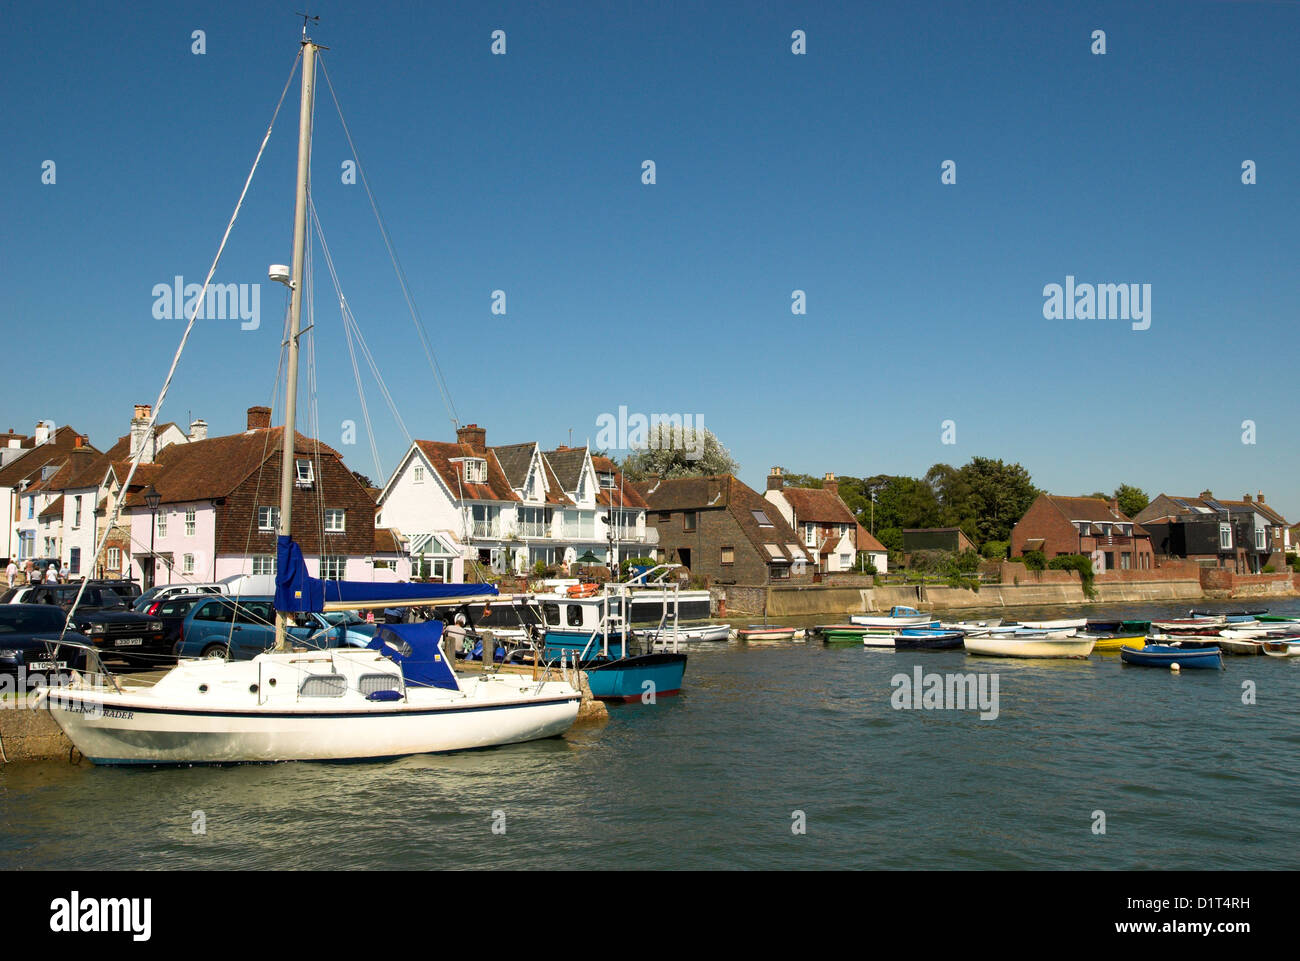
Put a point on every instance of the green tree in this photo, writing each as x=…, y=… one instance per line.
x=679, y=452
x=1132, y=500
x=1000, y=493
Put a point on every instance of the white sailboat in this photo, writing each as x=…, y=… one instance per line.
x=400, y=696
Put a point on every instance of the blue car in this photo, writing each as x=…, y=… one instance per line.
x=241, y=628
x=25, y=630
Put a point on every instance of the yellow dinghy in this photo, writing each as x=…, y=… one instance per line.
x=1111, y=644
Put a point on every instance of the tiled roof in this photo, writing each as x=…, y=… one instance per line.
x=1188, y=504
x=440, y=455
x=817, y=505
x=29, y=464
x=567, y=463
x=212, y=468
x=515, y=460
x=867, y=542
x=54, y=510
x=388, y=540
x=1093, y=510
x=622, y=494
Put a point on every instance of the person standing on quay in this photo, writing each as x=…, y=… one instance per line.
x=52, y=573
x=11, y=572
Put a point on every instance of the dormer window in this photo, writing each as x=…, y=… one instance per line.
x=305, y=475
x=606, y=479
x=475, y=470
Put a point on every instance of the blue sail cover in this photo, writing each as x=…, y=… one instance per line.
x=296, y=590
x=415, y=648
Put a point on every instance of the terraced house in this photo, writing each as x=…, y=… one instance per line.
x=828, y=531
x=508, y=508
x=27, y=465
x=218, y=512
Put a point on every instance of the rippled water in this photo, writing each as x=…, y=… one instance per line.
x=1188, y=777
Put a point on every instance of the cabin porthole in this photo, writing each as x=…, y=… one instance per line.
x=252, y=689
x=203, y=689
x=271, y=682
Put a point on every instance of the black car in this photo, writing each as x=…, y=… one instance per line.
x=172, y=610
x=129, y=591
x=25, y=630
x=103, y=617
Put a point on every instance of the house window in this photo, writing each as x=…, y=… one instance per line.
x=162, y=524
x=189, y=521
x=268, y=518
x=417, y=475
x=334, y=520
x=187, y=564
x=114, y=559
x=486, y=521
x=535, y=521
x=1225, y=537
x=688, y=520
x=51, y=547
x=304, y=470
x=728, y=555
x=810, y=535
x=762, y=519
x=1125, y=560
x=76, y=511
x=31, y=507
x=475, y=470
x=332, y=567
x=665, y=517
x=1260, y=543
x=606, y=480
x=263, y=563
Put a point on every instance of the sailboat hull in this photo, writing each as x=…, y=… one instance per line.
x=216, y=712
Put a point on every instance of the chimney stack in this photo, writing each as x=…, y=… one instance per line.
x=1260, y=497
x=472, y=436
x=1207, y=495
x=1247, y=498
x=141, y=438
x=776, y=479
x=259, y=418
x=829, y=483
x=198, y=430
x=1114, y=506
x=42, y=433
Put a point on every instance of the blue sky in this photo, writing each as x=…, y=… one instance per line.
x=775, y=172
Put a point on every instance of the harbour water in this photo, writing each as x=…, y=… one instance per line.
x=764, y=739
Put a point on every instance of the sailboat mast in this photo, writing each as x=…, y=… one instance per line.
x=287, y=471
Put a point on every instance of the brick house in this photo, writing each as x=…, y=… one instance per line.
x=219, y=513
x=723, y=530
x=1083, y=525
x=1238, y=535
x=827, y=529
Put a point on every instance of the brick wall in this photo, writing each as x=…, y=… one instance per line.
x=1045, y=521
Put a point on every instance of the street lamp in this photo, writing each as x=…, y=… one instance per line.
x=153, y=499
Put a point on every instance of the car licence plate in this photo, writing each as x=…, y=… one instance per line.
x=47, y=666
x=129, y=642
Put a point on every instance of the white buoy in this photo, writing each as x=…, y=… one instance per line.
x=1175, y=667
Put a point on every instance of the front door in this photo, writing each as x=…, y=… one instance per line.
x=684, y=557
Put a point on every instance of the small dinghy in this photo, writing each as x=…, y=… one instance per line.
x=897, y=617
x=1077, y=623
x=706, y=632
x=1281, y=648
x=1165, y=655
x=1030, y=646
x=765, y=632
x=1111, y=643
x=927, y=639
x=1118, y=627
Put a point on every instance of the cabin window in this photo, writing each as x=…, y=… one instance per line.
x=263, y=563
x=268, y=518
x=728, y=555
x=575, y=615
x=688, y=520
x=552, y=614
x=334, y=520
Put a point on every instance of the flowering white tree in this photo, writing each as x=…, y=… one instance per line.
x=679, y=452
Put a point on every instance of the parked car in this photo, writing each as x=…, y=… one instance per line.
x=127, y=590
x=171, y=611
x=26, y=629
x=161, y=591
x=241, y=629
x=103, y=617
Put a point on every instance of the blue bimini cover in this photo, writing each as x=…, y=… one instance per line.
x=415, y=647
x=296, y=590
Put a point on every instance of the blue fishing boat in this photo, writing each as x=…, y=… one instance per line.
x=1163, y=655
x=592, y=633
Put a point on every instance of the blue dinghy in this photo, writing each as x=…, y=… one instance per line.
x=1162, y=655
